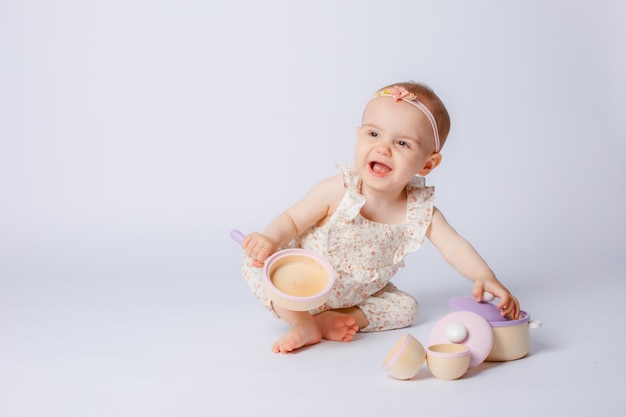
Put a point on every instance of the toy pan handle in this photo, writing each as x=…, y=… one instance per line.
x=237, y=236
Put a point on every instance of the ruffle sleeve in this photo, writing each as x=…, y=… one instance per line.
x=420, y=205
x=353, y=200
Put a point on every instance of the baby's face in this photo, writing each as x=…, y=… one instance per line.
x=394, y=143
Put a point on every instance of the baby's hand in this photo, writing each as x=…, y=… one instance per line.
x=508, y=305
x=258, y=247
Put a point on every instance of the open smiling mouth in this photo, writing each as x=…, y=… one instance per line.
x=379, y=169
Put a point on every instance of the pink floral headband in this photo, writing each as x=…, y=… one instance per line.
x=400, y=93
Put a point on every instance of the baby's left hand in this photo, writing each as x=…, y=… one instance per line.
x=508, y=305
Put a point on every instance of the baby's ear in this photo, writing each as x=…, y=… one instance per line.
x=431, y=163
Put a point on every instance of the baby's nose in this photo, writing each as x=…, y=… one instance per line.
x=384, y=149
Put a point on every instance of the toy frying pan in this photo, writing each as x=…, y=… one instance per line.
x=295, y=279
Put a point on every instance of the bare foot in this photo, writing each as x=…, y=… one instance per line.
x=301, y=334
x=337, y=326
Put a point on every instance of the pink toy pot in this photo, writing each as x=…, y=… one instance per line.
x=296, y=279
x=511, y=338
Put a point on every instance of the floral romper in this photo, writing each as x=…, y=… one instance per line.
x=365, y=255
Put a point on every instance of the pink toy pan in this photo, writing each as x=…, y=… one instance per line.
x=295, y=279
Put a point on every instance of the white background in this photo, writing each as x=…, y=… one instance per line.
x=134, y=135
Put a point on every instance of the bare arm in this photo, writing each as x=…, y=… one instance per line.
x=316, y=205
x=459, y=253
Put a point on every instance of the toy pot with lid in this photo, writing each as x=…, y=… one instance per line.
x=511, y=338
x=296, y=279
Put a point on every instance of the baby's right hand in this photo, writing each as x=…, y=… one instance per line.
x=258, y=247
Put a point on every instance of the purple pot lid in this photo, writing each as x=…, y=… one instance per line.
x=488, y=311
x=479, y=336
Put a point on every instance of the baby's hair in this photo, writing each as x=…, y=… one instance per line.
x=427, y=96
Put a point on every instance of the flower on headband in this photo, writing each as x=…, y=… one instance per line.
x=398, y=93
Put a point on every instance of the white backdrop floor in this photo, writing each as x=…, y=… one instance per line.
x=161, y=343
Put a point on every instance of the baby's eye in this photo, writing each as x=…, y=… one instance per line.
x=403, y=144
x=373, y=134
